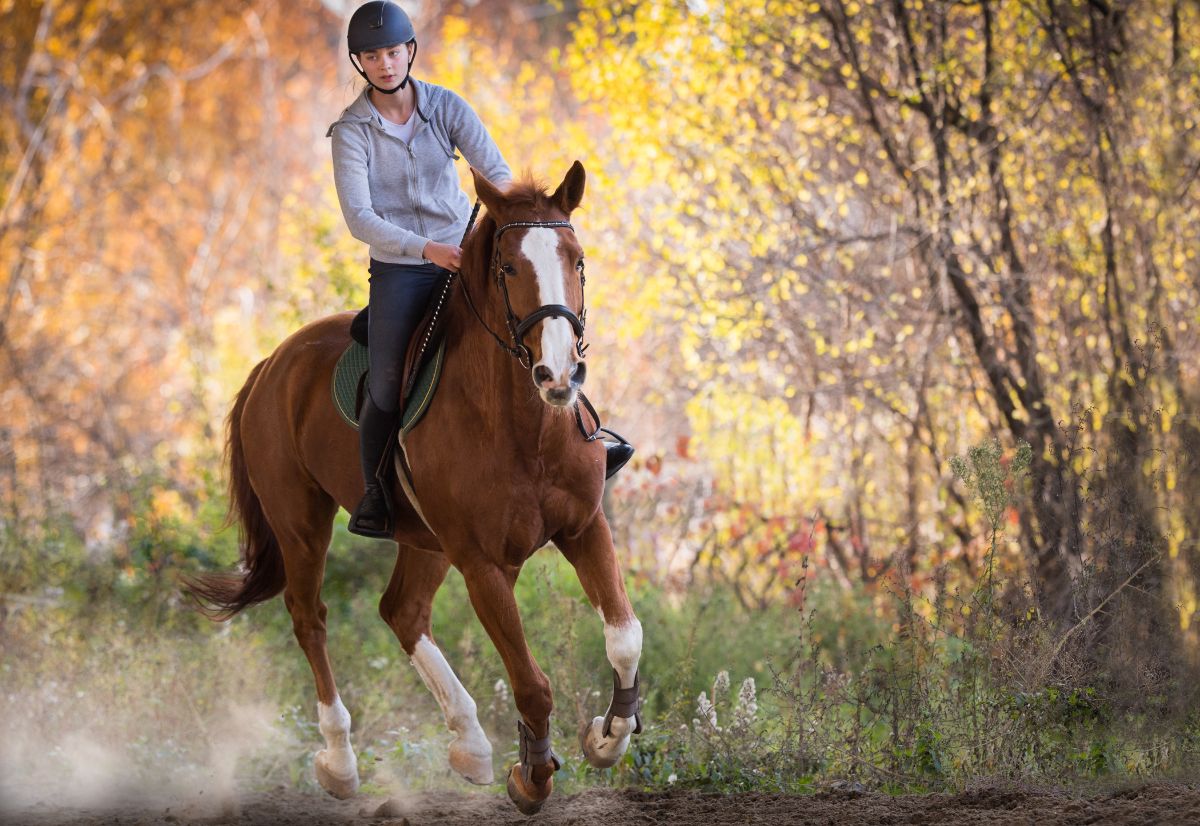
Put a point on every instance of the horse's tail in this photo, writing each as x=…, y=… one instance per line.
x=220, y=596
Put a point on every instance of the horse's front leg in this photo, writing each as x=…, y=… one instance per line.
x=531, y=779
x=605, y=739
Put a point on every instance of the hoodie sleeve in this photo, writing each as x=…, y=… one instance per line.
x=350, y=157
x=472, y=139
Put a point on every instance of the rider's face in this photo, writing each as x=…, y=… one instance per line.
x=387, y=66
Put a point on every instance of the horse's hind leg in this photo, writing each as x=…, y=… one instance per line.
x=605, y=739
x=303, y=523
x=406, y=607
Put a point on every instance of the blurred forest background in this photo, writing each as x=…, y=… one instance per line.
x=834, y=245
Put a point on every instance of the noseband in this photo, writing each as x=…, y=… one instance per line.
x=518, y=327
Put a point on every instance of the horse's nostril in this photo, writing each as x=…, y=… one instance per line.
x=542, y=375
x=578, y=374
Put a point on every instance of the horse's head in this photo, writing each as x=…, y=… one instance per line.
x=536, y=276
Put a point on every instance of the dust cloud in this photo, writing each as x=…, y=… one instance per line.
x=90, y=766
x=132, y=721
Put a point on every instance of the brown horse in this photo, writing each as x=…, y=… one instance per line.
x=499, y=468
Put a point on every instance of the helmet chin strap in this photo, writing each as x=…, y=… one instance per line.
x=398, y=87
x=393, y=90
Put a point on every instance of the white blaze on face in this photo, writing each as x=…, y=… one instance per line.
x=540, y=246
x=471, y=751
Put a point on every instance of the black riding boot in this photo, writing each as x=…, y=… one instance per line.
x=373, y=516
x=618, y=453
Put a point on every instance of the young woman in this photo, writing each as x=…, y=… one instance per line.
x=393, y=164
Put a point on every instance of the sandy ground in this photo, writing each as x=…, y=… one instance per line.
x=1150, y=804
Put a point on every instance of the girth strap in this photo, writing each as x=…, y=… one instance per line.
x=534, y=751
x=625, y=703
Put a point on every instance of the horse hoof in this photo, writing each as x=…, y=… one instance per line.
x=526, y=804
x=599, y=751
x=473, y=766
x=340, y=786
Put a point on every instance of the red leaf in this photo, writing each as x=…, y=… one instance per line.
x=681, y=446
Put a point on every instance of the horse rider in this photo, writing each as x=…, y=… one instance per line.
x=393, y=165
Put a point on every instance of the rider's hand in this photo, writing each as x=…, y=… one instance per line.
x=446, y=256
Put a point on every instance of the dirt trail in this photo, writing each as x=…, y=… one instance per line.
x=1150, y=804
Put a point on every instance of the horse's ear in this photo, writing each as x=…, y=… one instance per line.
x=486, y=191
x=570, y=191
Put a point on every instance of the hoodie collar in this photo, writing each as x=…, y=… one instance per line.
x=360, y=110
x=428, y=97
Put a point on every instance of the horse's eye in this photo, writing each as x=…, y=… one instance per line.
x=579, y=265
x=508, y=269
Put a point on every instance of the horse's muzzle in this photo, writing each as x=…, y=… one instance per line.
x=557, y=392
x=560, y=396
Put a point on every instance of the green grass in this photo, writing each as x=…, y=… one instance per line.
x=107, y=654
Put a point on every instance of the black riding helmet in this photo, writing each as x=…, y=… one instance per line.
x=376, y=25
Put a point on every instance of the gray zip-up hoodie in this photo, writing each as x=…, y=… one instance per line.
x=398, y=196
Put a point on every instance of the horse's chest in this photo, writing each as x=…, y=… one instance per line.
x=504, y=496
x=510, y=525
x=533, y=522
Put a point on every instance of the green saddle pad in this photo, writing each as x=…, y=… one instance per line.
x=351, y=369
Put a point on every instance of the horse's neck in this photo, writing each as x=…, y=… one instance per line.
x=495, y=382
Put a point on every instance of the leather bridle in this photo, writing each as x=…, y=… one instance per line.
x=518, y=327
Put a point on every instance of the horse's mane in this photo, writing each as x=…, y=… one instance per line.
x=527, y=193
x=477, y=249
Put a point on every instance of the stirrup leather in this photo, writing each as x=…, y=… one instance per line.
x=625, y=703
x=534, y=751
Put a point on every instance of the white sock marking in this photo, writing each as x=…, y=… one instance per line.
x=540, y=246
x=471, y=751
x=338, y=756
x=623, y=644
x=334, y=722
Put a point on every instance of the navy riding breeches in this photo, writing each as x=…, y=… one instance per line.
x=400, y=294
